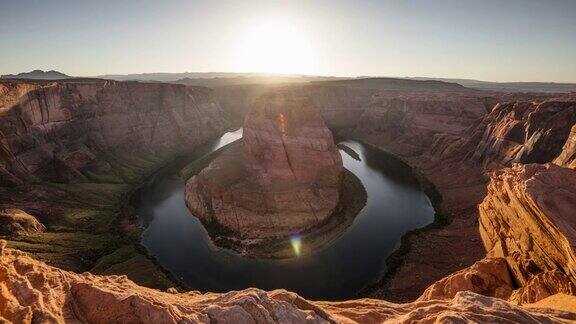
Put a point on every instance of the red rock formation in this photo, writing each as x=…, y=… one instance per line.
x=70, y=153
x=567, y=157
x=70, y=131
x=528, y=218
x=340, y=106
x=406, y=124
x=488, y=277
x=17, y=222
x=525, y=132
x=284, y=178
x=32, y=292
x=455, y=150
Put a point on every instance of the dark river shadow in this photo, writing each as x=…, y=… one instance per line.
x=395, y=205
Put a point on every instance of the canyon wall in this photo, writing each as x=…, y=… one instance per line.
x=340, y=106
x=454, y=144
x=74, y=131
x=341, y=103
x=282, y=179
x=522, y=132
x=72, y=151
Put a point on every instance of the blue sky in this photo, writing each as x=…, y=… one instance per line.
x=506, y=40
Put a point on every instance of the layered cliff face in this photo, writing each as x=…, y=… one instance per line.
x=341, y=103
x=455, y=149
x=31, y=291
x=340, y=106
x=567, y=156
x=407, y=124
x=524, y=132
x=528, y=218
x=72, y=151
x=74, y=131
x=284, y=177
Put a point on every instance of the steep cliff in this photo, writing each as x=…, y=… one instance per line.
x=72, y=151
x=528, y=218
x=31, y=292
x=524, y=132
x=74, y=131
x=406, y=124
x=567, y=156
x=454, y=144
x=283, y=178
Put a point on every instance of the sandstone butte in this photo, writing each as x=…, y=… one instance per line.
x=526, y=273
x=283, y=178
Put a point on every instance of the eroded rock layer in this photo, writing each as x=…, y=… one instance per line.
x=451, y=141
x=72, y=151
x=522, y=132
x=32, y=292
x=71, y=131
x=528, y=218
x=284, y=176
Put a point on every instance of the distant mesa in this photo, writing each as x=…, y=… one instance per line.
x=38, y=75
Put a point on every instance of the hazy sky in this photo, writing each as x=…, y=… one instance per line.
x=500, y=40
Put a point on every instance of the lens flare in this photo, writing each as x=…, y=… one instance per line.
x=296, y=242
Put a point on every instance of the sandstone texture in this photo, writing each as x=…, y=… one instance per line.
x=523, y=132
x=407, y=124
x=341, y=103
x=72, y=151
x=567, y=157
x=528, y=218
x=284, y=177
x=456, y=150
x=488, y=277
x=32, y=292
x=16, y=221
x=71, y=131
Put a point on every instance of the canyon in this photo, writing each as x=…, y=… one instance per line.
x=498, y=167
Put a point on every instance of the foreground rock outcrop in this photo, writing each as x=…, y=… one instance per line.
x=284, y=177
x=528, y=218
x=32, y=292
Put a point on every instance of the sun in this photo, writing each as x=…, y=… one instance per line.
x=275, y=47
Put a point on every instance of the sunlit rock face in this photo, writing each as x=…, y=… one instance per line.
x=284, y=176
x=528, y=218
x=523, y=132
x=35, y=292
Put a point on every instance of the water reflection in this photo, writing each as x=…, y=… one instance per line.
x=395, y=205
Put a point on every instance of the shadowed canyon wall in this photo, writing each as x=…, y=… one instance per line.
x=72, y=151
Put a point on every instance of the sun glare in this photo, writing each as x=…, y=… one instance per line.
x=276, y=47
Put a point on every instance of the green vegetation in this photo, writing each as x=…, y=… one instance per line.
x=353, y=198
x=85, y=224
